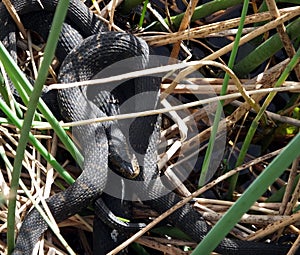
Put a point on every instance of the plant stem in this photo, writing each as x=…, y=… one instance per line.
x=59, y=17
x=254, y=191
x=200, y=12
x=294, y=61
x=208, y=154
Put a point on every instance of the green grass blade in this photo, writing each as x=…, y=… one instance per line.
x=294, y=61
x=3, y=90
x=28, y=194
x=255, y=190
x=6, y=96
x=256, y=120
x=200, y=12
x=265, y=50
x=143, y=14
x=24, y=89
x=59, y=17
x=35, y=142
x=22, y=84
x=208, y=154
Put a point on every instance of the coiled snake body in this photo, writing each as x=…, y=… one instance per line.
x=100, y=49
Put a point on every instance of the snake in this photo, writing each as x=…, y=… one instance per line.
x=98, y=49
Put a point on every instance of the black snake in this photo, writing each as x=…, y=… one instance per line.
x=100, y=49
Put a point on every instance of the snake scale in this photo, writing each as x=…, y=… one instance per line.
x=99, y=49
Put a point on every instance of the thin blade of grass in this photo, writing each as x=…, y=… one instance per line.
x=208, y=154
x=59, y=17
x=255, y=190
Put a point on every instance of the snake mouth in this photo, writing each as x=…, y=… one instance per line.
x=123, y=167
x=135, y=167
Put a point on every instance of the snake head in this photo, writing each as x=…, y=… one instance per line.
x=122, y=162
